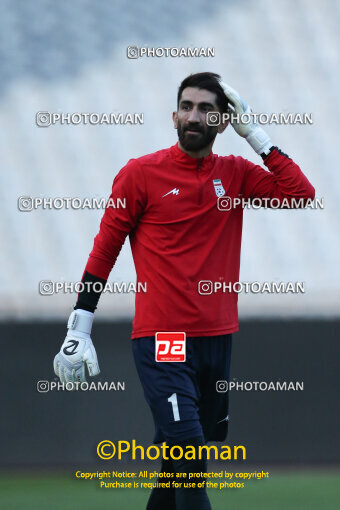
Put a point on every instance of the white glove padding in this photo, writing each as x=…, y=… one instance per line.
x=77, y=349
x=252, y=132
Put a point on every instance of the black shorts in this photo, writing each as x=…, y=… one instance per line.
x=185, y=397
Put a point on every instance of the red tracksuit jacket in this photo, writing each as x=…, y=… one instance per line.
x=179, y=237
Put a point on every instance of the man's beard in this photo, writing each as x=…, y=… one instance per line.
x=192, y=142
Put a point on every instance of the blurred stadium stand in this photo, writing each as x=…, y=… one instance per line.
x=71, y=57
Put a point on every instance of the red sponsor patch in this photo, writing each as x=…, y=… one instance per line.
x=170, y=346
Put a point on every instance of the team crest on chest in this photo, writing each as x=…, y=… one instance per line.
x=219, y=190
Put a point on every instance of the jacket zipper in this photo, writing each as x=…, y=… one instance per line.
x=199, y=181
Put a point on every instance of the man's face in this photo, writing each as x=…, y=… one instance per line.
x=191, y=118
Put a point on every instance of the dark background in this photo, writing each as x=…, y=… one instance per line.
x=58, y=429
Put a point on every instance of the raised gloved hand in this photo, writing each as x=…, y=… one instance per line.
x=77, y=349
x=248, y=129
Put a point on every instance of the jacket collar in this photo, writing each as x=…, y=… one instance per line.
x=189, y=162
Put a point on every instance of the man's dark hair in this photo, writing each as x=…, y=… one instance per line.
x=207, y=81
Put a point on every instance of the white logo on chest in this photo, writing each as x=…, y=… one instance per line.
x=174, y=191
x=219, y=190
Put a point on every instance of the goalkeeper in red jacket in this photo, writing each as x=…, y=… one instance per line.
x=182, y=242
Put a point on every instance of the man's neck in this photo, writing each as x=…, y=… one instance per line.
x=202, y=153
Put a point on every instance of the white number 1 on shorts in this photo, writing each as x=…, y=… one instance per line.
x=173, y=401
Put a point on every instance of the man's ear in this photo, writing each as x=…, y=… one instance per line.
x=175, y=119
x=222, y=126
